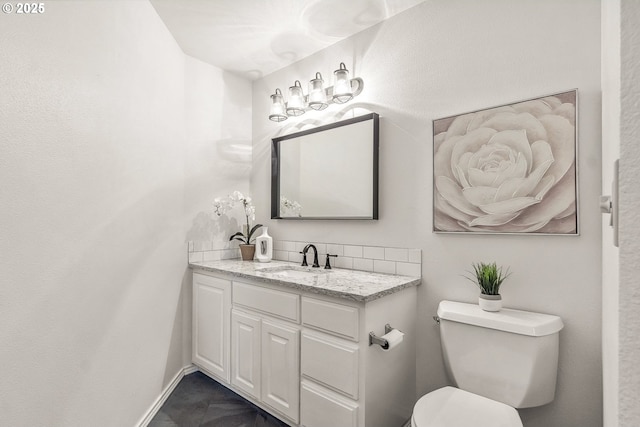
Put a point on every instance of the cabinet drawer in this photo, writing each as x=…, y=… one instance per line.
x=321, y=408
x=338, y=319
x=281, y=304
x=331, y=363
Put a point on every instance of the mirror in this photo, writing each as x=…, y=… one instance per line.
x=329, y=172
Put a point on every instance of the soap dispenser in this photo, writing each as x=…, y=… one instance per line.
x=264, y=246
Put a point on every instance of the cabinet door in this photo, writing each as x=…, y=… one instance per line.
x=281, y=368
x=211, y=317
x=245, y=352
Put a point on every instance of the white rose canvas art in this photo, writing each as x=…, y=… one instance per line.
x=508, y=169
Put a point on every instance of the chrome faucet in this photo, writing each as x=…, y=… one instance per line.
x=315, y=256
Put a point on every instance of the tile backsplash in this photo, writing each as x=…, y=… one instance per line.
x=379, y=259
x=210, y=251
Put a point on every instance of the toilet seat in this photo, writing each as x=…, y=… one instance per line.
x=452, y=407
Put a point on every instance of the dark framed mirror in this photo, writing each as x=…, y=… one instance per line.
x=329, y=172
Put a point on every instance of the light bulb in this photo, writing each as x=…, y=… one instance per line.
x=342, y=91
x=295, y=106
x=317, y=95
x=277, y=110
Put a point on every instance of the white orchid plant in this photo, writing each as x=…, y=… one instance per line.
x=222, y=205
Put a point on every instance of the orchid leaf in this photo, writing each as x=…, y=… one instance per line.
x=238, y=236
x=253, y=230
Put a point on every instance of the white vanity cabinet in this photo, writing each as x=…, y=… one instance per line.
x=211, y=328
x=265, y=346
x=305, y=356
x=265, y=361
x=345, y=381
x=330, y=364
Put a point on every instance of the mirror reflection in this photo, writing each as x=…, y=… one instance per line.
x=330, y=172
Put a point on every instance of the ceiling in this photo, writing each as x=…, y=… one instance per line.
x=256, y=37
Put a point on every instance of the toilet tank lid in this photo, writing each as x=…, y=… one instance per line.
x=508, y=320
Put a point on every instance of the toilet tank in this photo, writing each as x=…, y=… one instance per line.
x=510, y=356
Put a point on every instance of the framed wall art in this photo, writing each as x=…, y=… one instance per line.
x=508, y=169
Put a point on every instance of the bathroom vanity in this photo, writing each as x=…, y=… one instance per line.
x=295, y=341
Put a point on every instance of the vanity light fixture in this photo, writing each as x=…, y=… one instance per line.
x=295, y=106
x=317, y=95
x=277, y=112
x=343, y=90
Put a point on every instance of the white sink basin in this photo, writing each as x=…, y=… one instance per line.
x=294, y=272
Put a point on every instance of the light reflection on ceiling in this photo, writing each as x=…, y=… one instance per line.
x=253, y=38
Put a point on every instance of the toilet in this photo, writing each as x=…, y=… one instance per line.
x=498, y=361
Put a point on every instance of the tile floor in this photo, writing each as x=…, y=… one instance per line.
x=199, y=401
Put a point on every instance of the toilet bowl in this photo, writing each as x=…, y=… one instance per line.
x=497, y=361
x=452, y=407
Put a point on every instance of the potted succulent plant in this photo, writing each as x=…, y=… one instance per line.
x=221, y=206
x=489, y=277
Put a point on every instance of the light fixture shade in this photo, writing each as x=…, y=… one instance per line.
x=277, y=111
x=342, y=91
x=317, y=95
x=295, y=106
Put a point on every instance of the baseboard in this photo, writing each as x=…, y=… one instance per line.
x=190, y=369
x=146, y=419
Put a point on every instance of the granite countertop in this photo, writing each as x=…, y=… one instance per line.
x=354, y=285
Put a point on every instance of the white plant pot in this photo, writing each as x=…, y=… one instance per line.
x=490, y=302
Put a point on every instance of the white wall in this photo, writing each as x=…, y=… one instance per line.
x=443, y=58
x=101, y=156
x=218, y=153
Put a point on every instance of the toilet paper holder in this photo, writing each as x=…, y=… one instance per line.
x=374, y=339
